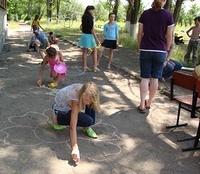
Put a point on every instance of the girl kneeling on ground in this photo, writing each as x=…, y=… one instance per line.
x=52, y=57
x=68, y=105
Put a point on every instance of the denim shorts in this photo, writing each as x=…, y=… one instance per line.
x=151, y=64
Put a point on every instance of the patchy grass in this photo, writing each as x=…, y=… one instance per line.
x=13, y=24
x=62, y=29
x=71, y=31
x=126, y=41
x=178, y=52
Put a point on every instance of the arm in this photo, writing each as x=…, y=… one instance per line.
x=32, y=25
x=104, y=31
x=188, y=32
x=40, y=26
x=140, y=34
x=41, y=70
x=73, y=132
x=60, y=56
x=169, y=37
x=95, y=36
x=117, y=34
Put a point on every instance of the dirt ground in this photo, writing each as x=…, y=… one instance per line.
x=128, y=143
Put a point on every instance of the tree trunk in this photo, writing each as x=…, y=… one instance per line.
x=177, y=10
x=128, y=18
x=49, y=9
x=168, y=5
x=57, y=9
x=29, y=14
x=134, y=18
x=116, y=6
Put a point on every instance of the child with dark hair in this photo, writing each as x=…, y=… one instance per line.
x=52, y=38
x=52, y=58
x=88, y=38
x=193, y=43
x=36, y=24
x=111, y=35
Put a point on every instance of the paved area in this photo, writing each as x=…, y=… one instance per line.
x=128, y=143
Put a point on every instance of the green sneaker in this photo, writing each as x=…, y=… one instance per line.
x=90, y=133
x=58, y=127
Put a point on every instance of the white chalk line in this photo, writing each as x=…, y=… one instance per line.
x=35, y=129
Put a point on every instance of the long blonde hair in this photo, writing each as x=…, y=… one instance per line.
x=92, y=90
x=157, y=4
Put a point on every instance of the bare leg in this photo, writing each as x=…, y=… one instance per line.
x=94, y=54
x=152, y=90
x=84, y=58
x=110, y=57
x=99, y=55
x=41, y=53
x=144, y=88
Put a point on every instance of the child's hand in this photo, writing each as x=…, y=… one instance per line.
x=39, y=83
x=75, y=156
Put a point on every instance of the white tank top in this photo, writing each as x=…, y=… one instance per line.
x=65, y=95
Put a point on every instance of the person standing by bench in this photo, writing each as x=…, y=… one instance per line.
x=155, y=37
x=193, y=43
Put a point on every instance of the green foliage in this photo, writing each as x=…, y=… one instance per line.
x=178, y=52
x=27, y=9
x=187, y=18
x=71, y=10
x=103, y=8
x=102, y=11
x=126, y=41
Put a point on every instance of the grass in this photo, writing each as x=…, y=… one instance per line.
x=13, y=24
x=62, y=29
x=71, y=31
x=179, y=52
x=65, y=30
x=126, y=41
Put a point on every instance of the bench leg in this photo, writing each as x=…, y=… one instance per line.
x=196, y=141
x=177, y=121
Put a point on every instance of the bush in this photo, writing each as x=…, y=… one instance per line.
x=126, y=41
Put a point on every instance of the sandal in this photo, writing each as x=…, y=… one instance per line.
x=142, y=111
x=147, y=107
x=56, y=126
x=96, y=69
x=90, y=133
x=53, y=85
x=86, y=69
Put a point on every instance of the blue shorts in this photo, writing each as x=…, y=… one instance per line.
x=151, y=64
x=87, y=41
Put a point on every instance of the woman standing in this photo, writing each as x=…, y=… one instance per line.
x=155, y=37
x=88, y=38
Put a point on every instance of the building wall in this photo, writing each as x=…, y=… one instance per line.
x=3, y=27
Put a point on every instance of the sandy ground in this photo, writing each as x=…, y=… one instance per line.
x=128, y=143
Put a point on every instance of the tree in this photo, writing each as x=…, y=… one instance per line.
x=134, y=13
x=177, y=10
x=57, y=9
x=192, y=13
x=102, y=11
x=49, y=9
x=116, y=7
x=168, y=5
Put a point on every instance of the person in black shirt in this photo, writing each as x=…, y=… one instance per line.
x=88, y=39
